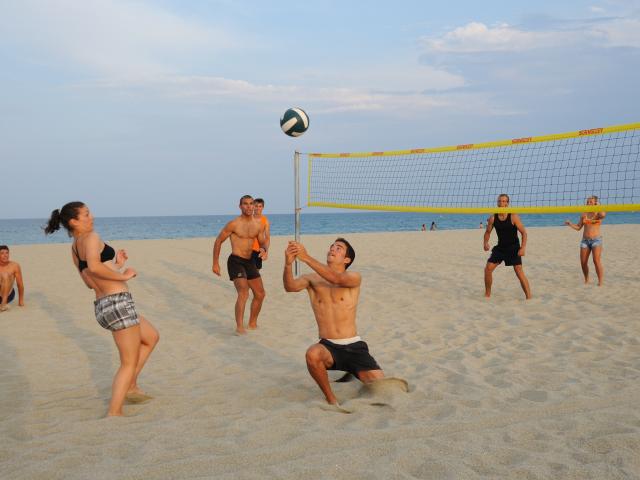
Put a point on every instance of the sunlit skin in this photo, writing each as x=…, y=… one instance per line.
x=503, y=202
x=334, y=293
x=10, y=274
x=590, y=222
x=135, y=343
x=243, y=230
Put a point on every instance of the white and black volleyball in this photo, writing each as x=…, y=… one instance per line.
x=294, y=122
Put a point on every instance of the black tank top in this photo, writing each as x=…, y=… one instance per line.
x=108, y=253
x=507, y=233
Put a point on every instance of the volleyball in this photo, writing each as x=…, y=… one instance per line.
x=294, y=122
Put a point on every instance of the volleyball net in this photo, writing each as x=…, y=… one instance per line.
x=546, y=174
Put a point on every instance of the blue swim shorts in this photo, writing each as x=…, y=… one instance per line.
x=591, y=243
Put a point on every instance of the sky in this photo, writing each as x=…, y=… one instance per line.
x=166, y=107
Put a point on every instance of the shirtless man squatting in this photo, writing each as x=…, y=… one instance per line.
x=334, y=294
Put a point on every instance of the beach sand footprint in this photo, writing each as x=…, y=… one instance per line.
x=138, y=397
x=386, y=392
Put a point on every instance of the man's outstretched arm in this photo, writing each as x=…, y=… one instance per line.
x=290, y=283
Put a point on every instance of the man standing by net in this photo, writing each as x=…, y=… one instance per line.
x=508, y=249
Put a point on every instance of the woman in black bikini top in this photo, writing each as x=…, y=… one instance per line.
x=102, y=270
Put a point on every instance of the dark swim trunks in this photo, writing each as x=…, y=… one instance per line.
x=12, y=295
x=239, y=267
x=352, y=358
x=255, y=256
x=509, y=256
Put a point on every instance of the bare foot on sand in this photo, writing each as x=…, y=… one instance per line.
x=334, y=407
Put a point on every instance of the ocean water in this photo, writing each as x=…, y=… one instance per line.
x=29, y=231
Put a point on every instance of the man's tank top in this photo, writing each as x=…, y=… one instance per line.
x=507, y=233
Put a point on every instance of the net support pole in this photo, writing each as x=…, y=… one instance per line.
x=296, y=189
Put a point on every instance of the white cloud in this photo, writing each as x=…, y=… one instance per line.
x=323, y=99
x=135, y=46
x=476, y=37
x=106, y=37
x=620, y=33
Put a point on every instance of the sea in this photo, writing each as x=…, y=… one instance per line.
x=29, y=231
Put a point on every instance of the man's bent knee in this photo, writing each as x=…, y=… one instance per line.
x=317, y=354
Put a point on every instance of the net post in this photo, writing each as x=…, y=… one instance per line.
x=296, y=189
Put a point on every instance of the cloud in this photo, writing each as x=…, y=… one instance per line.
x=142, y=49
x=476, y=37
x=620, y=33
x=323, y=99
x=543, y=65
x=107, y=37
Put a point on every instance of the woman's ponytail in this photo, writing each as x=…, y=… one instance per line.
x=53, y=224
x=62, y=217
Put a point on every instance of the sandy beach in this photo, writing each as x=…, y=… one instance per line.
x=498, y=388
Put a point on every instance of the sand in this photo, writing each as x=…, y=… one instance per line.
x=498, y=388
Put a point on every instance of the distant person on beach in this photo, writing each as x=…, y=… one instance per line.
x=481, y=225
x=508, y=249
x=334, y=294
x=433, y=226
x=424, y=228
x=243, y=230
x=102, y=270
x=258, y=207
x=10, y=273
x=591, y=240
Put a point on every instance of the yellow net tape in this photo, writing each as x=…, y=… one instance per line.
x=544, y=174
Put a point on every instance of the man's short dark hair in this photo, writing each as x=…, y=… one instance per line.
x=259, y=200
x=351, y=253
x=244, y=197
x=4, y=247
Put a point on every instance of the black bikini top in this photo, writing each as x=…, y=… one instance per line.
x=108, y=253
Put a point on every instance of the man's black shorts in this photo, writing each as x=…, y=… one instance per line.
x=352, y=358
x=255, y=256
x=239, y=267
x=509, y=256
